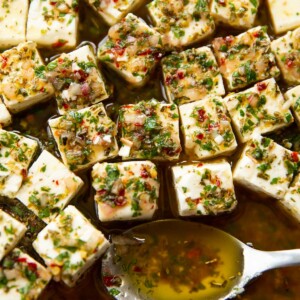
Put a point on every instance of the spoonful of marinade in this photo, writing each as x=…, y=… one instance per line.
x=174, y=259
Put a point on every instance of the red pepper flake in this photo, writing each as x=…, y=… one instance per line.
x=21, y=259
x=145, y=69
x=115, y=1
x=56, y=182
x=53, y=265
x=168, y=80
x=256, y=34
x=81, y=75
x=112, y=281
x=117, y=65
x=60, y=60
x=137, y=269
x=218, y=182
x=60, y=43
x=222, y=60
x=138, y=124
x=65, y=106
x=201, y=115
x=53, y=2
x=200, y=136
x=295, y=156
x=200, y=165
x=145, y=52
x=32, y=266
x=289, y=63
x=229, y=39
x=144, y=174
x=42, y=90
x=180, y=75
x=261, y=86
x=4, y=61
x=24, y=173
x=193, y=253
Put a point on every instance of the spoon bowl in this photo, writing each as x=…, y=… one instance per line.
x=175, y=259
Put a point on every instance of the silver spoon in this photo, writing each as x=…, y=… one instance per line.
x=222, y=264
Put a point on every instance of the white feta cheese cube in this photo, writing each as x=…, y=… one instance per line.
x=16, y=153
x=5, y=117
x=204, y=188
x=260, y=109
x=22, y=79
x=49, y=187
x=13, y=18
x=77, y=80
x=246, y=58
x=285, y=14
x=53, y=24
x=69, y=245
x=182, y=23
x=126, y=190
x=113, y=11
x=293, y=98
x=206, y=128
x=11, y=233
x=22, y=277
x=191, y=75
x=266, y=167
x=132, y=49
x=81, y=137
x=235, y=13
x=151, y=130
x=287, y=53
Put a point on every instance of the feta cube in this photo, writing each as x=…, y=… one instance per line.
x=181, y=23
x=5, y=117
x=285, y=14
x=49, y=187
x=113, y=11
x=22, y=79
x=69, y=245
x=235, y=13
x=206, y=129
x=85, y=137
x=11, y=233
x=191, y=75
x=260, y=109
x=77, y=80
x=246, y=58
x=265, y=167
x=53, y=24
x=13, y=18
x=287, y=53
x=150, y=130
x=132, y=49
x=16, y=153
x=293, y=98
x=126, y=190
x=22, y=277
x=204, y=188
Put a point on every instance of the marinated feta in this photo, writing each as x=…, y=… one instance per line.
x=260, y=109
x=266, y=167
x=53, y=24
x=11, y=232
x=246, y=58
x=132, y=49
x=49, y=187
x=235, y=13
x=22, y=277
x=206, y=129
x=5, y=117
x=85, y=137
x=126, y=190
x=291, y=200
x=16, y=153
x=293, y=97
x=112, y=11
x=181, y=23
x=191, y=75
x=13, y=18
x=69, y=245
x=204, y=188
x=285, y=14
x=22, y=79
x=150, y=130
x=287, y=53
x=77, y=80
